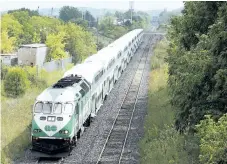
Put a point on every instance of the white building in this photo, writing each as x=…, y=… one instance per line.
x=9, y=59
x=32, y=54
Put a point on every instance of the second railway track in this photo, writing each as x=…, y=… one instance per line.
x=113, y=148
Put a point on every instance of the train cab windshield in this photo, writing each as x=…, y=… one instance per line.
x=55, y=108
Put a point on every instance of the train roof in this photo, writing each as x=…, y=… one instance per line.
x=104, y=58
x=59, y=94
x=106, y=54
x=87, y=70
x=125, y=39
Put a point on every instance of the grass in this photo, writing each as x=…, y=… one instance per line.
x=16, y=119
x=161, y=143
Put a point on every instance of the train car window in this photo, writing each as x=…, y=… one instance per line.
x=111, y=63
x=68, y=108
x=84, y=86
x=82, y=92
x=99, y=76
x=47, y=108
x=93, y=97
x=119, y=55
x=82, y=105
x=96, y=78
x=77, y=108
x=57, y=108
x=38, y=107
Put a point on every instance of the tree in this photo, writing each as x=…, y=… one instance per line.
x=23, y=18
x=43, y=26
x=56, y=45
x=80, y=44
x=90, y=19
x=81, y=22
x=197, y=63
x=30, y=12
x=119, y=15
x=7, y=43
x=213, y=140
x=15, y=83
x=13, y=29
x=68, y=13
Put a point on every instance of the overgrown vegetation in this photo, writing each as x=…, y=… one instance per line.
x=162, y=143
x=16, y=82
x=198, y=75
x=186, y=121
x=198, y=62
x=213, y=140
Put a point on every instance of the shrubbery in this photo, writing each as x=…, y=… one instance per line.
x=198, y=76
x=34, y=78
x=4, y=70
x=213, y=140
x=16, y=82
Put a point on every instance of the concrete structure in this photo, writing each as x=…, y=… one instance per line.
x=32, y=54
x=57, y=64
x=9, y=59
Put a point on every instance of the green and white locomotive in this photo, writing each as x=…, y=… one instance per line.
x=61, y=111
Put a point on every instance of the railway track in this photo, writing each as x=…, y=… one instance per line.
x=113, y=148
x=115, y=143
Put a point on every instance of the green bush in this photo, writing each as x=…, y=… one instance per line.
x=15, y=83
x=160, y=54
x=213, y=140
x=4, y=70
x=34, y=77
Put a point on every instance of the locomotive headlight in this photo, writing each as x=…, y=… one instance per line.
x=66, y=131
x=63, y=131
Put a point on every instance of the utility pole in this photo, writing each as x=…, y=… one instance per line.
x=51, y=13
x=97, y=30
x=38, y=10
x=131, y=7
x=89, y=20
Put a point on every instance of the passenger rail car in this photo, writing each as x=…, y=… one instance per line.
x=61, y=111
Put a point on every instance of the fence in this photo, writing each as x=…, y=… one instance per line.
x=57, y=64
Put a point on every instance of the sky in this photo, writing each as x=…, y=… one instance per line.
x=119, y=5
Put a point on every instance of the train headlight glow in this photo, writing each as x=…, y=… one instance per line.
x=63, y=131
x=66, y=131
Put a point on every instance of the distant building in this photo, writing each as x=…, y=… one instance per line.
x=9, y=59
x=32, y=54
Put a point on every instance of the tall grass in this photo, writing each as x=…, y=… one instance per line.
x=17, y=115
x=161, y=143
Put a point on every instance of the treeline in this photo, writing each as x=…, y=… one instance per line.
x=198, y=76
x=24, y=26
x=70, y=33
x=72, y=14
x=117, y=24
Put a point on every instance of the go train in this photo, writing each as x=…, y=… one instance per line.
x=61, y=111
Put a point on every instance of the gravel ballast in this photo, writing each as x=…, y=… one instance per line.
x=90, y=145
